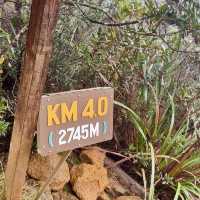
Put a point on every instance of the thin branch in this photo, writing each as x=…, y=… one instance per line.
x=10, y=1
x=117, y=24
x=176, y=50
x=127, y=23
x=91, y=7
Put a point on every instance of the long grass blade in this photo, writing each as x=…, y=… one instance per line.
x=178, y=191
x=136, y=120
x=164, y=146
x=152, y=188
x=145, y=184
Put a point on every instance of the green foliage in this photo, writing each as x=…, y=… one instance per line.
x=3, y=123
x=124, y=8
x=152, y=65
x=13, y=26
x=177, y=152
x=145, y=65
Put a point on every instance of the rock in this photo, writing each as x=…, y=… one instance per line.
x=88, y=181
x=63, y=196
x=32, y=187
x=46, y=195
x=41, y=168
x=56, y=195
x=115, y=187
x=93, y=156
x=69, y=196
x=104, y=196
x=128, y=198
x=86, y=190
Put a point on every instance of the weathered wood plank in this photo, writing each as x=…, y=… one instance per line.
x=33, y=77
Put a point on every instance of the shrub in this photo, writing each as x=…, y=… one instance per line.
x=175, y=148
x=3, y=123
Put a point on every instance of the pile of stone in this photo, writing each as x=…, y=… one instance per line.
x=89, y=180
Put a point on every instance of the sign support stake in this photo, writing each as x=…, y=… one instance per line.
x=32, y=80
x=65, y=156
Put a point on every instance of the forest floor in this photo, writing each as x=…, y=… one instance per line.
x=89, y=176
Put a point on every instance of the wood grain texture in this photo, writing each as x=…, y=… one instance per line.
x=125, y=179
x=32, y=80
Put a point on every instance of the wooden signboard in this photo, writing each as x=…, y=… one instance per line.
x=74, y=119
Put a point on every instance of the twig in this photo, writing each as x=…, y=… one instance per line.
x=106, y=151
x=109, y=24
x=177, y=50
x=91, y=7
x=119, y=162
x=119, y=24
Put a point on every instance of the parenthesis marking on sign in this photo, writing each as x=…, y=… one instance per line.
x=50, y=139
x=105, y=127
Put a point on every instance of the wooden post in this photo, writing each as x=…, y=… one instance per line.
x=33, y=77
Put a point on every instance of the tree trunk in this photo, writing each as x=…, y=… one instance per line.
x=33, y=77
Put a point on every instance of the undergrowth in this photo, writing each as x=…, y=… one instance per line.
x=3, y=123
x=168, y=152
x=29, y=190
x=153, y=67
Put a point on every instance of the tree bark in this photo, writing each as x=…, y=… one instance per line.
x=125, y=179
x=33, y=77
